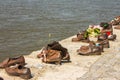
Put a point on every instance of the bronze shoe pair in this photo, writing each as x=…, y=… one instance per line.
x=12, y=61
x=91, y=49
x=19, y=70
x=57, y=46
x=50, y=56
x=86, y=50
x=78, y=38
x=82, y=36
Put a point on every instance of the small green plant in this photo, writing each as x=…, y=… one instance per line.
x=86, y=35
x=49, y=35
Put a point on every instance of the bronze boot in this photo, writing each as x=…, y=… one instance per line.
x=64, y=52
x=52, y=56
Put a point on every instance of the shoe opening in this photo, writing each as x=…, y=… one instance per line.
x=20, y=67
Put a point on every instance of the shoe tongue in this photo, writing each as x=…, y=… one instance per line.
x=13, y=66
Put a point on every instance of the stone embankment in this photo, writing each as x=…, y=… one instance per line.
x=102, y=67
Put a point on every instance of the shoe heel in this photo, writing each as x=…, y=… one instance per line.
x=27, y=75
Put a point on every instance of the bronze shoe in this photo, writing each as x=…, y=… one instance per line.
x=53, y=43
x=105, y=43
x=75, y=40
x=84, y=50
x=86, y=40
x=66, y=57
x=82, y=36
x=89, y=51
x=11, y=61
x=112, y=37
x=115, y=21
x=102, y=36
x=19, y=70
x=117, y=27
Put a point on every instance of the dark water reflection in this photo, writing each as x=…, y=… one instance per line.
x=25, y=25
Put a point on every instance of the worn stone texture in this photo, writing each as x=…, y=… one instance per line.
x=107, y=67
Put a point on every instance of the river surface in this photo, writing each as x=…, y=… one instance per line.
x=28, y=25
